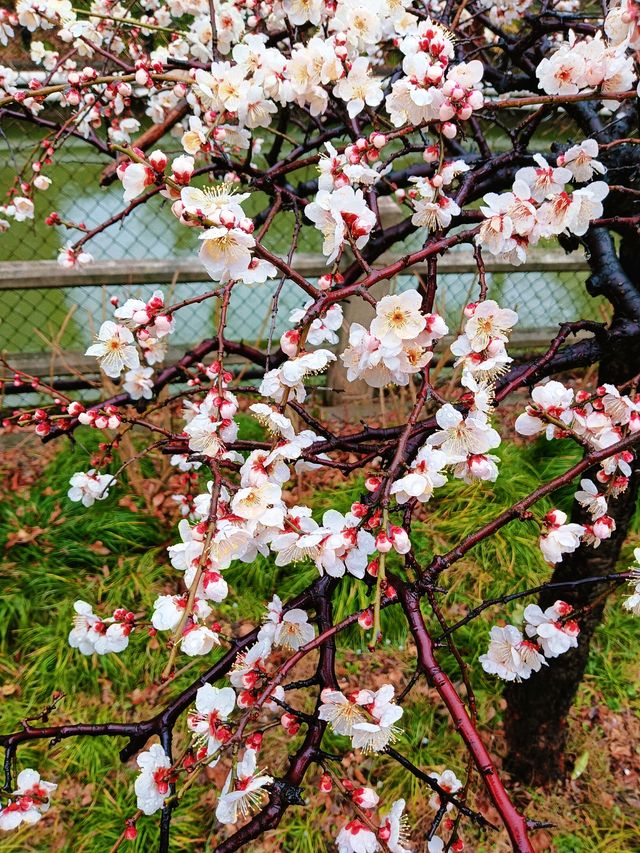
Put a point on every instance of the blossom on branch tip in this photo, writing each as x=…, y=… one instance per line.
x=551, y=628
x=213, y=707
x=509, y=656
x=90, y=487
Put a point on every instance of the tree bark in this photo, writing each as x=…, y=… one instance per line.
x=537, y=709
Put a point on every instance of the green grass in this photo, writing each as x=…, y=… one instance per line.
x=53, y=560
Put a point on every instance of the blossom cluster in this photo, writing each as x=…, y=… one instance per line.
x=29, y=802
x=547, y=634
x=597, y=421
x=592, y=62
x=538, y=206
x=253, y=92
x=397, y=345
x=139, y=328
x=367, y=717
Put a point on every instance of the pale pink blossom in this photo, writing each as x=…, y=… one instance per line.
x=551, y=629
x=153, y=781
x=243, y=790
x=560, y=538
x=509, y=656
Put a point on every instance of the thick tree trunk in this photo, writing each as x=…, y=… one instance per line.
x=537, y=709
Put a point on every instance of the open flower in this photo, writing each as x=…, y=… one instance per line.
x=114, y=349
x=398, y=317
x=213, y=707
x=510, y=656
x=560, y=538
x=424, y=476
x=489, y=322
x=260, y=503
x=290, y=628
x=356, y=837
x=460, y=436
x=90, y=487
x=359, y=87
x=339, y=215
x=243, y=790
x=632, y=603
x=590, y=497
x=551, y=628
x=379, y=729
x=28, y=802
x=343, y=712
x=152, y=784
x=138, y=383
x=394, y=828
x=450, y=783
x=226, y=252
x=581, y=161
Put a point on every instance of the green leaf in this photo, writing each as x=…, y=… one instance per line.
x=581, y=765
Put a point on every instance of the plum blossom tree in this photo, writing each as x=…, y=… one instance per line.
x=327, y=109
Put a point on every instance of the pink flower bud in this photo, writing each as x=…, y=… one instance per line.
x=289, y=342
x=400, y=540
x=449, y=131
x=365, y=797
x=604, y=527
x=227, y=218
x=158, y=160
x=182, y=168
x=289, y=723
x=555, y=518
x=470, y=309
x=131, y=833
x=326, y=783
x=563, y=608
x=254, y=741
x=163, y=324
x=365, y=620
x=383, y=543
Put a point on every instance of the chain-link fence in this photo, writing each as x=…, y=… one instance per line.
x=64, y=318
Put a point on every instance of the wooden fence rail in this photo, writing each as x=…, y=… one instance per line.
x=21, y=275
x=26, y=276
